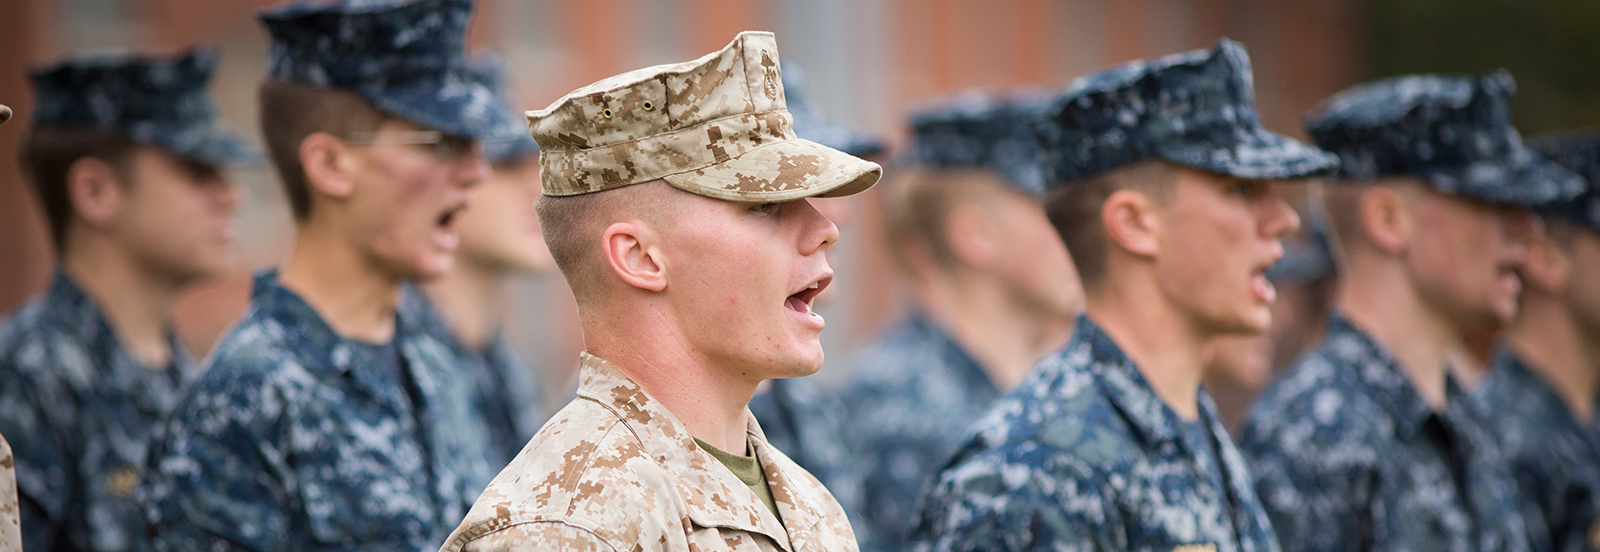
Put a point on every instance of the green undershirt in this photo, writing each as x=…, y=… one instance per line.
x=748, y=470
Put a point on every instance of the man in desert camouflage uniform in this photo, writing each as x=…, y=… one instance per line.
x=1160, y=189
x=10, y=527
x=1368, y=443
x=675, y=205
x=329, y=418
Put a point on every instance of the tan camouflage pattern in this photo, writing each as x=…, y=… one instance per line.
x=717, y=126
x=10, y=520
x=614, y=470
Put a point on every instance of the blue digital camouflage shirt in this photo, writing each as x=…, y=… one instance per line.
x=1084, y=455
x=507, y=386
x=79, y=412
x=807, y=424
x=911, y=399
x=296, y=439
x=1554, y=457
x=1349, y=457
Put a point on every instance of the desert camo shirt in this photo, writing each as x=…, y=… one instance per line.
x=10, y=526
x=1083, y=455
x=1349, y=457
x=615, y=471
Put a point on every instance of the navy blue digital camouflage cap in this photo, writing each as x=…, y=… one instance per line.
x=811, y=125
x=405, y=58
x=1195, y=109
x=1453, y=132
x=153, y=100
x=1579, y=153
x=510, y=141
x=980, y=131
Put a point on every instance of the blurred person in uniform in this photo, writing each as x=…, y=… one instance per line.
x=1367, y=443
x=125, y=153
x=1544, y=387
x=500, y=241
x=994, y=290
x=799, y=417
x=1161, y=188
x=675, y=205
x=329, y=417
x=1242, y=366
x=10, y=526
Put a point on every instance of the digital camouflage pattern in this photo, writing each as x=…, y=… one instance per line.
x=510, y=142
x=80, y=412
x=408, y=59
x=1579, y=153
x=717, y=126
x=157, y=101
x=1195, y=109
x=1084, y=456
x=1348, y=456
x=990, y=132
x=808, y=425
x=506, y=385
x=911, y=397
x=295, y=439
x=10, y=527
x=614, y=470
x=1453, y=132
x=810, y=124
x=1554, y=457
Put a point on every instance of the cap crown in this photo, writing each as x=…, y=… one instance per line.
x=1579, y=153
x=975, y=131
x=508, y=141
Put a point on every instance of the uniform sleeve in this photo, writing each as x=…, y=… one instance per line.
x=218, y=477
x=1007, y=506
x=1317, y=499
x=546, y=535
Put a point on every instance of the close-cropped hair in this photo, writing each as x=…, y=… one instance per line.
x=48, y=155
x=1074, y=209
x=290, y=112
x=573, y=227
x=917, y=202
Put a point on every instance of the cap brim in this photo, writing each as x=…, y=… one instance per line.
x=1535, y=180
x=212, y=146
x=459, y=108
x=1257, y=154
x=781, y=171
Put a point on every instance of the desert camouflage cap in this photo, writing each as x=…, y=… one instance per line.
x=154, y=100
x=1195, y=109
x=509, y=142
x=1580, y=153
x=717, y=126
x=1454, y=132
x=811, y=125
x=982, y=131
x=405, y=58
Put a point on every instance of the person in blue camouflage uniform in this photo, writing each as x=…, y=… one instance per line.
x=1368, y=443
x=973, y=158
x=329, y=417
x=499, y=240
x=1159, y=175
x=1544, y=387
x=88, y=368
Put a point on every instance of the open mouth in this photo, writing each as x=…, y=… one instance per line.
x=801, y=301
x=1260, y=285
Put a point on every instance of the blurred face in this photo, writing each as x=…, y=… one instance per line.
x=407, y=199
x=499, y=229
x=1583, y=285
x=178, y=219
x=1219, y=236
x=1242, y=361
x=1032, y=261
x=741, y=279
x=1463, y=258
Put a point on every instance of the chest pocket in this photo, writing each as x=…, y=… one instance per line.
x=362, y=477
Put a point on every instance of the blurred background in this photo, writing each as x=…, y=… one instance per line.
x=868, y=62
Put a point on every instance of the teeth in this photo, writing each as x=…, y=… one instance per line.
x=814, y=285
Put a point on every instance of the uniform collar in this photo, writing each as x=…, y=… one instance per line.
x=1370, y=366
x=954, y=357
x=152, y=391
x=714, y=496
x=1127, y=388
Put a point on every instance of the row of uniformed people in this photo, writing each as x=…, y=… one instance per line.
x=335, y=413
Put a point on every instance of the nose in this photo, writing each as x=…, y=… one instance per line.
x=228, y=195
x=1280, y=219
x=819, y=233
x=1520, y=227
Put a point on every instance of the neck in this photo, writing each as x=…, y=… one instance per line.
x=641, y=342
x=1004, y=334
x=471, y=297
x=356, y=298
x=1164, y=344
x=137, y=302
x=1387, y=309
x=1548, y=337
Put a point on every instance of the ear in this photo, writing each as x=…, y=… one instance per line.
x=329, y=164
x=970, y=232
x=633, y=256
x=1133, y=222
x=1546, y=266
x=1386, y=219
x=95, y=190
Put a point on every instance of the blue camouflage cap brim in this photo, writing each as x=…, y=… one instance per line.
x=1255, y=154
x=510, y=143
x=1580, y=153
x=454, y=105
